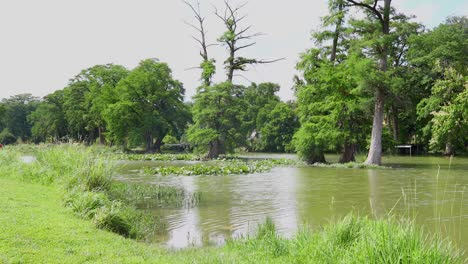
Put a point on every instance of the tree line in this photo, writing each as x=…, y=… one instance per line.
x=367, y=84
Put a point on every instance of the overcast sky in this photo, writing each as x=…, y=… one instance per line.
x=45, y=43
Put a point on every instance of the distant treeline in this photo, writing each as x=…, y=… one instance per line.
x=367, y=84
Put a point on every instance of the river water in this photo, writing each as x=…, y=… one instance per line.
x=431, y=190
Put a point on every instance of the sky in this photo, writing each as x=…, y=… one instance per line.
x=45, y=43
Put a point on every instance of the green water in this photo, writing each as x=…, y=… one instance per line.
x=428, y=189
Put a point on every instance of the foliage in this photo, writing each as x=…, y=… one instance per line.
x=150, y=105
x=6, y=137
x=447, y=108
x=87, y=96
x=217, y=113
x=48, y=120
x=332, y=104
x=277, y=129
x=157, y=157
x=15, y=112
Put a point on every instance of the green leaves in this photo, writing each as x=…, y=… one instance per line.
x=149, y=104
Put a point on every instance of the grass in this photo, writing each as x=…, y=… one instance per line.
x=351, y=240
x=85, y=179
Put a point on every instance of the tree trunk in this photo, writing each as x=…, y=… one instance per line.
x=336, y=35
x=102, y=138
x=349, y=149
x=449, y=151
x=375, y=151
x=216, y=148
x=395, y=124
x=317, y=158
x=157, y=145
x=148, y=142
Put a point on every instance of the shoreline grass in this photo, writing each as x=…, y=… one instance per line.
x=88, y=188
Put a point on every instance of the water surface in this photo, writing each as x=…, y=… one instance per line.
x=429, y=189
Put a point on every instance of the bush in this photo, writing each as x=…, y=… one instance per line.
x=6, y=137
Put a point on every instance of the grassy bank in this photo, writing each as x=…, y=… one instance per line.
x=85, y=180
x=40, y=226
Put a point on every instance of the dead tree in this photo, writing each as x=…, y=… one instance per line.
x=207, y=65
x=236, y=38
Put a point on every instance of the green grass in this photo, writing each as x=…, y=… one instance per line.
x=36, y=228
x=85, y=179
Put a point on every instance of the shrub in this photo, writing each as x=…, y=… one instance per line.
x=6, y=137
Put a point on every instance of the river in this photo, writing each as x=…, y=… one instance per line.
x=430, y=190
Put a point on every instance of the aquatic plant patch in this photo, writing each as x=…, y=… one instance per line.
x=221, y=167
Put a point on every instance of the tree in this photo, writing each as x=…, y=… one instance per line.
x=447, y=108
x=277, y=127
x=235, y=39
x=217, y=113
x=207, y=65
x=6, y=137
x=258, y=98
x=48, y=120
x=150, y=105
x=86, y=98
x=16, y=110
x=331, y=99
x=440, y=58
x=381, y=48
x=332, y=106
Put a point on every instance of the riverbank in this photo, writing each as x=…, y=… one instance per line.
x=39, y=229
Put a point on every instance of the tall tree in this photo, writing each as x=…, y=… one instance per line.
x=217, y=116
x=330, y=103
x=382, y=15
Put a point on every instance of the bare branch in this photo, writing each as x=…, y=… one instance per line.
x=373, y=8
x=269, y=61
x=245, y=46
x=192, y=68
